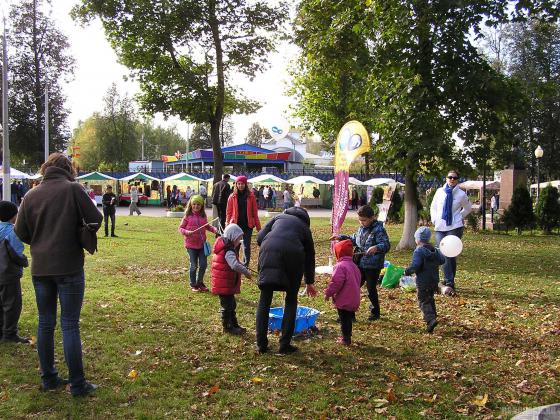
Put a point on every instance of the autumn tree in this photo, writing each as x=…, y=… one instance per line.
x=256, y=134
x=185, y=53
x=38, y=57
x=409, y=71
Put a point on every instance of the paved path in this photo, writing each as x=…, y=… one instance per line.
x=152, y=211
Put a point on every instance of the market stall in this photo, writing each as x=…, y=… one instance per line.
x=185, y=182
x=14, y=174
x=149, y=189
x=304, y=187
x=97, y=182
x=475, y=193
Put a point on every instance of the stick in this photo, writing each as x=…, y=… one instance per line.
x=209, y=223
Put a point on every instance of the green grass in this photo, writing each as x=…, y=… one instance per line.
x=498, y=337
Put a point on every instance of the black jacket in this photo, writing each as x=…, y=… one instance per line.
x=287, y=251
x=220, y=193
x=11, y=264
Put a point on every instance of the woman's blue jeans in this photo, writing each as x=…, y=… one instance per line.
x=70, y=291
x=197, y=263
x=450, y=265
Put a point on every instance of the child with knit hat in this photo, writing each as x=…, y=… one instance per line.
x=426, y=260
x=344, y=288
x=193, y=227
x=226, y=275
x=12, y=261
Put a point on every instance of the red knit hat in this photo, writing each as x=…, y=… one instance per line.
x=343, y=249
x=242, y=179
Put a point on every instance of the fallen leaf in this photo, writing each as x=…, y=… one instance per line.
x=481, y=401
x=520, y=362
x=381, y=410
x=380, y=402
x=211, y=391
x=392, y=377
x=391, y=397
x=257, y=380
x=133, y=374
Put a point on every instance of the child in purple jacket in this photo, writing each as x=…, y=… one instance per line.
x=344, y=288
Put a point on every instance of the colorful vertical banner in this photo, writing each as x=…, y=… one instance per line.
x=352, y=141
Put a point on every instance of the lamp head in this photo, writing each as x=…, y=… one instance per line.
x=539, y=152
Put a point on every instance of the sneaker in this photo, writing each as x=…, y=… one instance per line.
x=88, y=389
x=289, y=349
x=373, y=317
x=203, y=288
x=431, y=325
x=195, y=289
x=262, y=350
x=114, y=236
x=16, y=339
x=343, y=341
x=59, y=383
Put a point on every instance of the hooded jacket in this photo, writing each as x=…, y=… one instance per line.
x=48, y=221
x=425, y=263
x=12, y=259
x=344, y=287
x=366, y=237
x=225, y=281
x=287, y=251
x=190, y=223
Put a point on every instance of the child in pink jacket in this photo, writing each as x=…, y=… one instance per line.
x=344, y=288
x=192, y=229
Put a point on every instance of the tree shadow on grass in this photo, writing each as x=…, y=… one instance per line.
x=494, y=294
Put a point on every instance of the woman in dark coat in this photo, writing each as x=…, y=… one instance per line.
x=287, y=254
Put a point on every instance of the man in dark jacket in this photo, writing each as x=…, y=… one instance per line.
x=48, y=220
x=12, y=261
x=287, y=253
x=220, y=195
x=425, y=263
x=109, y=201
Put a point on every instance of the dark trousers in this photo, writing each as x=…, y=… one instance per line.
x=346, y=318
x=450, y=265
x=370, y=278
x=228, y=305
x=197, y=266
x=70, y=291
x=10, y=309
x=222, y=214
x=288, y=320
x=247, y=234
x=109, y=212
x=426, y=302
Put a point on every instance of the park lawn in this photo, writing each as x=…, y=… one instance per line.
x=494, y=353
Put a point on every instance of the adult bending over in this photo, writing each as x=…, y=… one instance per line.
x=48, y=220
x=450, y=206
x=287, y=253
x=242, y=210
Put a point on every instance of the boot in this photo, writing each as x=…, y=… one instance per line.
x=228, y=326
x=236, y=324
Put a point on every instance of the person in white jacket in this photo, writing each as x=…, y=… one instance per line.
x=450, y=206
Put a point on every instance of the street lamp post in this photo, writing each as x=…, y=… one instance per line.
x=538, y=154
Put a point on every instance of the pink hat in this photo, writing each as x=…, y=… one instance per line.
x=242, y=179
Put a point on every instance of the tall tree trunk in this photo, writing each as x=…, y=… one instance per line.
x=410, y=212
x=220, y=94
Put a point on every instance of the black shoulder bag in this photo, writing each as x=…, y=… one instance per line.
x=87, y=232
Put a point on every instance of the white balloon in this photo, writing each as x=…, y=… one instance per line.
x=451, y=246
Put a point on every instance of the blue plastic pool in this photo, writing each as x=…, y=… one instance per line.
x=305, y=318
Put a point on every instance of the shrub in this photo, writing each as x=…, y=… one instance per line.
x=548, y=209
x=177, y=208
x=377, y=196
x=394, y=214
x=473, y=221
x=520, y=214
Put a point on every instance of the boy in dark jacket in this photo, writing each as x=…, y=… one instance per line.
x=12, y=261
x=109, y=201
x=425, y=263
x=372, y=240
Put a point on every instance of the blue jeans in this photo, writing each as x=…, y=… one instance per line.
x=450, y=265
x=197, y=262
x=70, y=290
x=247, y=234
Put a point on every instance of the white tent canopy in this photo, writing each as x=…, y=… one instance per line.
x=477, y=185
x=138, y=175
x=374, y=182
x=305, y=179
x=14, y=174
x=351, y=181
x=266, y=178
x=96, y=175
x=546, y=184
x=183, y=175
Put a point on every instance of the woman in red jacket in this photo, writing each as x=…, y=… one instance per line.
x=242, y=210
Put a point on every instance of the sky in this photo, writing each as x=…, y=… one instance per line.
x=97, y=68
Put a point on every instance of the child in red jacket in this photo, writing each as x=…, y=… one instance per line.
x=193, y=227
x=226, y=275
x=344, y=288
